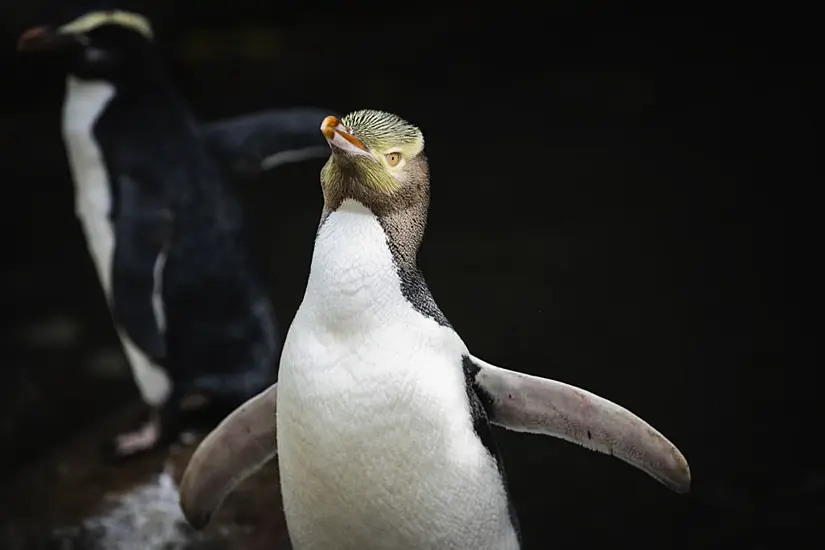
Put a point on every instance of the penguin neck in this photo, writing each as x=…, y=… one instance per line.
x=149, y=109
x=403, y=216
x=355, y=274
x=84, y=104
x=138, y=110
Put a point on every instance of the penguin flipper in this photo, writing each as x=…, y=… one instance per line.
x=137, y=266
x=254, y=143
x=232, y=452
x=525, y=403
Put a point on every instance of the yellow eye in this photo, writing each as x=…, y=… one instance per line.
x=393, y=158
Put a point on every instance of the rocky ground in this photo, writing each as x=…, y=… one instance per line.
x=70, y=500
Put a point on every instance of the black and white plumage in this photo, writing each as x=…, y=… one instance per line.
x=249, y=144
x=383, y=415
x=163, y=226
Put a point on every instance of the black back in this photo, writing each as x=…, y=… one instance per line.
x=169, y=197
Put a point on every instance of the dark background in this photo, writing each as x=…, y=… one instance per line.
x=612, y=202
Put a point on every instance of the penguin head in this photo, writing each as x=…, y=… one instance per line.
x=109, y=45
x=378, y=159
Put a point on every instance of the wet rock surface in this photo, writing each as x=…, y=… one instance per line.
x=71, y=500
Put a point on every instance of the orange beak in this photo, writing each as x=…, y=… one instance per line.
x=44, y=38
x=328, y=127
x=338, y=135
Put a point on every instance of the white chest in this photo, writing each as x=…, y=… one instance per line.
x=84, y=103
x=376, y=444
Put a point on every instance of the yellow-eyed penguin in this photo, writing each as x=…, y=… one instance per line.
x=162, y=225
x=383, y=414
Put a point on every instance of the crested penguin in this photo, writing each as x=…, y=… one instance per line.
x=162, y=226
x=383, y=415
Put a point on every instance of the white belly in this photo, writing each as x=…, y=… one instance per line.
x=85, y=101
x=376, y=444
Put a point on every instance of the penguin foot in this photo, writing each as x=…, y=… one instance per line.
x=179, y=420
x=148, y=437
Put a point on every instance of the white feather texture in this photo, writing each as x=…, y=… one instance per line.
x=375, y=438
x=84, y=103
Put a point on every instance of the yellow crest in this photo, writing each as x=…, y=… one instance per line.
x=90, y=21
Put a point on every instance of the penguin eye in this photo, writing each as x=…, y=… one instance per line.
x=393, y=158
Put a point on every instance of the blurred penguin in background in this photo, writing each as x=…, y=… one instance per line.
x=163, y=227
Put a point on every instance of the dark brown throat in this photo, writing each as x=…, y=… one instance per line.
x=403, y=217
x=402, y=213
